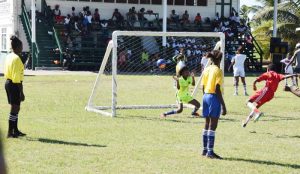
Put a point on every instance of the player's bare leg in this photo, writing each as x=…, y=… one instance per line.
x=236, y=85
x=248, y=118
x=254, y=112
x=178, y=111
x=197, y=106
x=244, y=85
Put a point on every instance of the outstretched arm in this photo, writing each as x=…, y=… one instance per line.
x=232, y=63
x=193, y=77
x=292, y=75
x=293, y=58
x=254, y=84
x=177, y=82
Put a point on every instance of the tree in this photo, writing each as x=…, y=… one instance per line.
x=288, y=21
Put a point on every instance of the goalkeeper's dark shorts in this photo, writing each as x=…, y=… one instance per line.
x=13, y=93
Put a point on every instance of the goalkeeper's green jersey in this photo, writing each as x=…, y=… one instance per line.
x=184, y=85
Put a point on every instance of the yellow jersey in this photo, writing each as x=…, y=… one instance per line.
x=212, y=76
x=14, y=68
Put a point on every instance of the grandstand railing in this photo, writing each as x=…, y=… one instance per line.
x=58, y=44
x=34, y=47
x=48, y=14
x=257, y=48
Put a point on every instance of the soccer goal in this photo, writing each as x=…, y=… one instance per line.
x=130, y=78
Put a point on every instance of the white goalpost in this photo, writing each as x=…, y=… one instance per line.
x=130, y=62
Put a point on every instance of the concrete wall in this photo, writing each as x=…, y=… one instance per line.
x=2, y=61
x=106, y=9
x=9, y=19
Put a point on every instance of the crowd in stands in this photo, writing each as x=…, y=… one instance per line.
x=83, y=23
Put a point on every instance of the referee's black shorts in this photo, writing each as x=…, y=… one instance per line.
x=13, y=93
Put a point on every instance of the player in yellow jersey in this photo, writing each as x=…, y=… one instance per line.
x=212, y=82
x=183, y=80
x=14, y=74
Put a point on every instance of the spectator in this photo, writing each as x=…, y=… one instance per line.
x=73, y=12
x=76, y=25
x=185, y=18
x=57, y=14
x=232, y=16
x=84, y=11
x=142, y=18
x=122, y=59
x=145, y=56
x=89, y=21
x=248, y=40
x=133, y=10
x=118, y=18
x=217, y=17
x=198, y=19
x=174, y=17
x=237, y=18
x=67, y=24
x=97, y=16
x=131, y=17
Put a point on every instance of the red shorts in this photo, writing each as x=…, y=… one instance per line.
x=261, y=97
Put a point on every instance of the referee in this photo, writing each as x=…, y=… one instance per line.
x=14, y=74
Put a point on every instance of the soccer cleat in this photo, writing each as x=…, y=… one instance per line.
x=258, y=115
x=246, y=94
x=11, y=134
x=204, y=153
x=235, y=94
x=20, y=134
x=287, y=88
x=212, y=155
x=195, y=115
x=244, y=124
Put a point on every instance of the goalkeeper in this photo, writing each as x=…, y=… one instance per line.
x=183, y=80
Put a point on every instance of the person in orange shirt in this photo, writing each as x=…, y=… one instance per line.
x=198, y=19
x=14, y=74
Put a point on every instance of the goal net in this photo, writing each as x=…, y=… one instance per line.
x=137, y=69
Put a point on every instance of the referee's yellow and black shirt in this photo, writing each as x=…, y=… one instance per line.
x=14, y=68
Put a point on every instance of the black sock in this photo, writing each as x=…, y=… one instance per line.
x=195, y=110
x=12, y=122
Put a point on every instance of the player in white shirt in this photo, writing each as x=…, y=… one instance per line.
x=288, y=68
x=204, y=61
x=238, y=70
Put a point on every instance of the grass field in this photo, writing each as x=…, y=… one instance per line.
x=64, y=138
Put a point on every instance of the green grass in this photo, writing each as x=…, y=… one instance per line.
x=64, y=138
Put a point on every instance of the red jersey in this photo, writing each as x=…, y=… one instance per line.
x=272, y=80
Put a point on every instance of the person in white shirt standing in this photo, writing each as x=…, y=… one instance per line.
x=238, y=70
x=288, y=68
x=204, y=61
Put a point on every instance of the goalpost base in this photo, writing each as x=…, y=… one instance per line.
x=104, y=109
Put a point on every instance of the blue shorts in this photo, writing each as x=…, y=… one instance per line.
x=211, y=106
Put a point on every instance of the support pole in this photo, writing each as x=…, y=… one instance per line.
x=165, y=10
x=33, y=35
x=275, y=18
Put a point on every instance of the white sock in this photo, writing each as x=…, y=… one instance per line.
x=251, y=106
x=245, y=88
x=236, y=89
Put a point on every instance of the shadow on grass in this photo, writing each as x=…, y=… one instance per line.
x=269, y=163
x=287, y=136
x=190, y=120
x=168, y=119
x=52, y=141
x=275, y=118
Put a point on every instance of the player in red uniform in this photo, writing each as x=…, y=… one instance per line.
x=265, y=94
